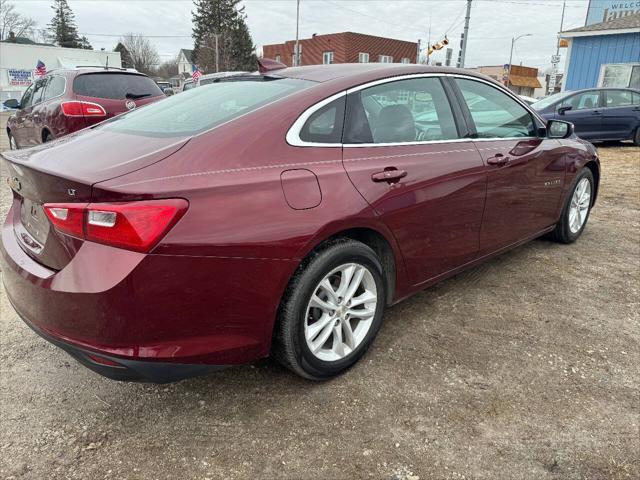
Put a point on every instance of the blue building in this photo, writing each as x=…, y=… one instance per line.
x=605, y=54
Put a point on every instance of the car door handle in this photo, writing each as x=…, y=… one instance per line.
x=499, y=160
x=389, y=175
x=596, y=112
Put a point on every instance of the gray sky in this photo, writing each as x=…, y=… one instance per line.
x=493, y=23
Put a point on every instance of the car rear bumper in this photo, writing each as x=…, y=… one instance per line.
x=117, y=368
x=148, y=312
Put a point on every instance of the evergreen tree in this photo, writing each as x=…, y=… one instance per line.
x=84, y=43
x=226, y=21
x=62, y=28
x=125, y=56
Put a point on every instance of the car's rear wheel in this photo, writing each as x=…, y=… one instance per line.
x=46, y=137
x=576, y=209
x=636, y=137
x=12, y=142
x=332, y=310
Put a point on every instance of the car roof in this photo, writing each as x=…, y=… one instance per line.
x=366, y=71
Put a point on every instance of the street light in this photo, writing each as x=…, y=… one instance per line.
x=513, y=42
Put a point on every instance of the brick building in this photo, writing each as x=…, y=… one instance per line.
x=345, y=47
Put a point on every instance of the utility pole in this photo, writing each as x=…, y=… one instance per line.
x=555, y=59
x=564, y=5
x=217, y=55
x=429, y=41
x=297, y=47
x=513, y=42
x=418, y=53
x=465, y=40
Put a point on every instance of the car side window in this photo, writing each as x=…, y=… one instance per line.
x=582, y=101
x=494, y=113
x=38, y=91
x=56, y=87
x=27, y=97
x=325, y=124
x=618, y=98
x=413, y=110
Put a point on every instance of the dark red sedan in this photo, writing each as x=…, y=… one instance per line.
x=279, y=214
x=67, y=100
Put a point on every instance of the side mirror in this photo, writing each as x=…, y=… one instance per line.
x=563, y=109
x=168, y=91
x=559, y=129
x=12, y=103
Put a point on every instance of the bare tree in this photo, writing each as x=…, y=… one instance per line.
x=143, y=54
x=167, y=69
x=12, y=21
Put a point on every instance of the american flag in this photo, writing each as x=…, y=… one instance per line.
x=196, y=74
x=41, y=69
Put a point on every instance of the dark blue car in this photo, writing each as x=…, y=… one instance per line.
x=598, y=114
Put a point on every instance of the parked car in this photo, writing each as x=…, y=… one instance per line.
x=188, y=85
x=598, y=114
x=163, y=85
x=67, y=100
x=210, y=78
x=279, y=214
x=529, y=100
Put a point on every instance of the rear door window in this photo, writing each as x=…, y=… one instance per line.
x=56, y=87
x=618, y=98
x=116, y=86
x=404, y=111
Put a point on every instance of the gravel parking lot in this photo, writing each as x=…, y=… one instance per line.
x=525, y=367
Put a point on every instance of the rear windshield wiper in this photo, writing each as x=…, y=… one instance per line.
x=135, y=96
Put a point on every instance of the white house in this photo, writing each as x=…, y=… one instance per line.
x=18, y=62
x=185, y=61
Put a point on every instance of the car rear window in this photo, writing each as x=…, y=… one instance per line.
x=117, y=86
x=203, y=108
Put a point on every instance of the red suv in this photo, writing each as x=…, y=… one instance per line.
x=64, y=101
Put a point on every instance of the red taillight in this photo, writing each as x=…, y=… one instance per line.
x=67, y=217
x=83, y=109
x=135, y=226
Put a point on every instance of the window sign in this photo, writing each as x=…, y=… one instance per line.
x=20, y=78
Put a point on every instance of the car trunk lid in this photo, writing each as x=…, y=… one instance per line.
x=64, y=171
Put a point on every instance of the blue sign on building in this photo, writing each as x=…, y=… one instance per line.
x=607, y=10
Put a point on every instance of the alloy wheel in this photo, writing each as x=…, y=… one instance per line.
x=340, y=312
x=580, y=203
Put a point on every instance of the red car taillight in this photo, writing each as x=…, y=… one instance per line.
x=83, y=109
x=135, y=226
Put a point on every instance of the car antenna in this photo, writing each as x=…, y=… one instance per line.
x=266, y=65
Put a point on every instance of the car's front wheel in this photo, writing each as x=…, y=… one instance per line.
x=576, y=209
x=332, y=310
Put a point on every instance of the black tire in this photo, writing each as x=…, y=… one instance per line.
x=562, y=233
x=289, y=344
x=13, y=145
x=46, y=137
x=636, y=137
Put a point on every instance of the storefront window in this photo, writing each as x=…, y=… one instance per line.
x=620, y=76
